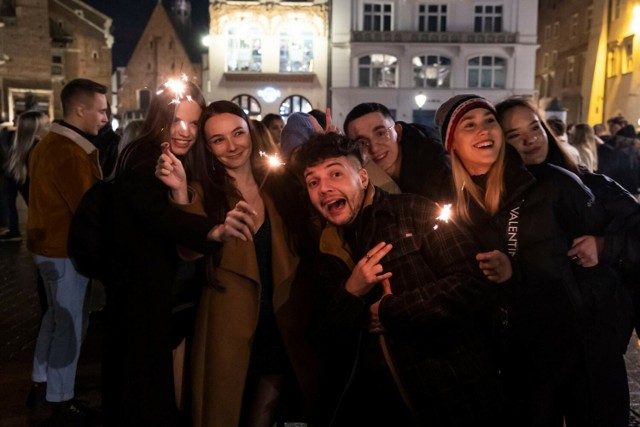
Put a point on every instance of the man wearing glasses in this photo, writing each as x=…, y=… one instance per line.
x=412, y=155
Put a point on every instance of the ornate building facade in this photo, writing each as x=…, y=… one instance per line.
x=269, y=56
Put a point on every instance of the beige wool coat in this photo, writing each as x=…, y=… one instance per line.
x=227, y=319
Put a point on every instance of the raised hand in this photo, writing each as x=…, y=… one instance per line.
x=239, y=223
x=368, y=272
x=170, y=171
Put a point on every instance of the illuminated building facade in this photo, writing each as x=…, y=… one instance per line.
x=586, y=58
x=412, y=55
x=268, y=56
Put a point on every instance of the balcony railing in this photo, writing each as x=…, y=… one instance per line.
x=424, y=37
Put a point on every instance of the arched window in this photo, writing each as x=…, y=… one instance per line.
x=431, y=71
x=377, y=71
x=244, y=51
x=296, y=50
x=487, y=72
x=295, y=104
x=249, y=104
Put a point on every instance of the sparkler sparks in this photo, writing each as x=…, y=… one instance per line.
x=273, y=161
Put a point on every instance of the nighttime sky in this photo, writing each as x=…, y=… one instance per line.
x=131, y=16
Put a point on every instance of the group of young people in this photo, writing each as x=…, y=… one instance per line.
x=319, y=297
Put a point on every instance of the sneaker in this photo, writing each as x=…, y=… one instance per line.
x=10, y=237
x=74, y=413
x=37, y=395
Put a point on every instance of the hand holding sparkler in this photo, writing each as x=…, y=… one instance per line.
x=170, y=171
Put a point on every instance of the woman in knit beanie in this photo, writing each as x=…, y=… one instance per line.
x=531, y=214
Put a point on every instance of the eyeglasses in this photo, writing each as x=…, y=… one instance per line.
x=379, y=136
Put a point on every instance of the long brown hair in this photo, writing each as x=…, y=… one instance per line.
x=584, y=139
x=156, y=127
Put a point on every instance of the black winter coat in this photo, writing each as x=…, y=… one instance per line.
x=139, y=374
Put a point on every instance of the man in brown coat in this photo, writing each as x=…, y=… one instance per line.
x=62, y=167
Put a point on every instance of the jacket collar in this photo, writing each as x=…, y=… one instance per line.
x=332, y=240
x=74, y=136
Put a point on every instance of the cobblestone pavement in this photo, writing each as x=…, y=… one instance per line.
x=19, y=320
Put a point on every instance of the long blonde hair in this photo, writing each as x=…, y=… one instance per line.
x=466, y=189
x=584, y=139
x=27, y=133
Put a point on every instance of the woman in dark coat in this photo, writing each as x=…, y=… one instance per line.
x=532, y=214
x=138, y=373
x=607, y=297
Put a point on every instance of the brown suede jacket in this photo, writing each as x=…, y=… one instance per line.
x=62, y=167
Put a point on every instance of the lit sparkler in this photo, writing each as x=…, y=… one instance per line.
x=177, y=87
x=445, y=214
x=273, y=162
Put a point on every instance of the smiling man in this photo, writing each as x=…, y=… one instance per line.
x=410, y=154
x=404, y=310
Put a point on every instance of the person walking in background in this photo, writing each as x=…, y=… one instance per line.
x=31, y=128
x=274, y=123
x=62, y=167
x=410, y=154
x=252, y=362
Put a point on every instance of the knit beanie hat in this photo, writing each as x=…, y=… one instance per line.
x=450, y=113
x=296, y=132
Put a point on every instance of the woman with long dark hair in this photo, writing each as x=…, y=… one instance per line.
x=139, y=386
x=251, y=356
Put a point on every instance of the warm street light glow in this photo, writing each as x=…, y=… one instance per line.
x=635, y=21
x=206, y=40
x=420, y=99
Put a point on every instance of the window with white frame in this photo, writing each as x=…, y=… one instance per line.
x=487, y=72
x=296, y=50
x=617, y=6
x=556, y=29
x=377, y=17
x=244, y=48
x=547, y=33
x=432, y=18
x=295, y=104
x=431, y=71
x=554, y=58
x=589, y=20
x=377, y=70
x=487, y=19
x=545, y=60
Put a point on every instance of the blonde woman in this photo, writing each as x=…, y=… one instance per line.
x=584, y=139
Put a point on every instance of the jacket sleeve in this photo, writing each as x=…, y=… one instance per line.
x=622, y=231
x=459, y=292
x=148, y=198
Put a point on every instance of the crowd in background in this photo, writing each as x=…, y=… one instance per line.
x=478, y=271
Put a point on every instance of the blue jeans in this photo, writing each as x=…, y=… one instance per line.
x=63, y=327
